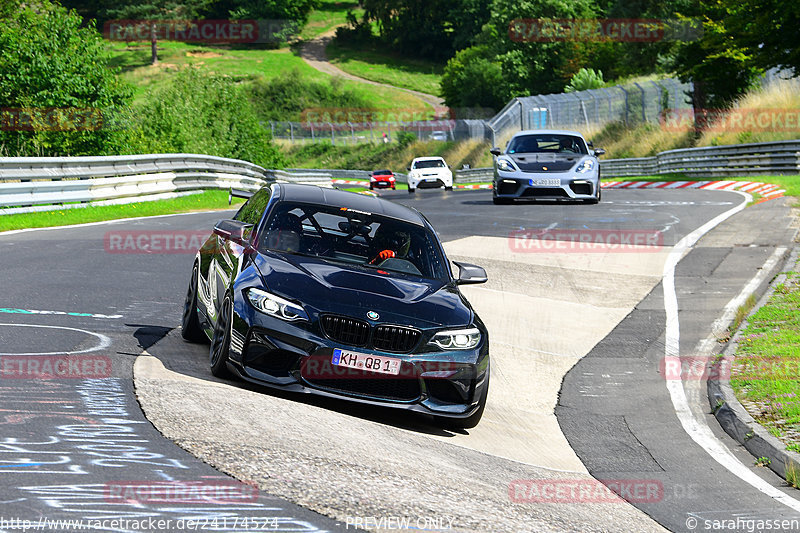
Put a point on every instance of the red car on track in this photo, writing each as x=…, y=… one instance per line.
x=381, y=179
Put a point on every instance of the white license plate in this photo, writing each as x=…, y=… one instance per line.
x=362, y=361
x=546, y=181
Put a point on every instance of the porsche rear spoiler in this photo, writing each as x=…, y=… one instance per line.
x=238, y=193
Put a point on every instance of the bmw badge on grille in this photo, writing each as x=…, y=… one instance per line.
x=372, y=315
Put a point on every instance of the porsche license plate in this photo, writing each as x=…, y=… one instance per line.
x=362, y=361
x=550, y=182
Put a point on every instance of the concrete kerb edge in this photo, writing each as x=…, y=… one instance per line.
x=727, y=409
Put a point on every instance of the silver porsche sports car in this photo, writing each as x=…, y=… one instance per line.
x=547, y=165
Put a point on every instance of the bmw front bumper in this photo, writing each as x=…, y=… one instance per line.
x=296, y=356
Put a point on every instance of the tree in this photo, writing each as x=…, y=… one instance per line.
x=154, y=13
x=294, y=10
x=720, y=64
x=473, y=79
x=508, y=62
x=415, y=27
x=768, y=29
x=53, y=70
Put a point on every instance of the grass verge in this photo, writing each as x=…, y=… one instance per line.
x=329, y=15
x=765, y=373
x=242, y=64
x=205, y=201
x=372, y=63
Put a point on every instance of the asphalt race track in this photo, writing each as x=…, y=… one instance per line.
x=578, y=338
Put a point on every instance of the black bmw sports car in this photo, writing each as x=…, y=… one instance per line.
x=342, y=295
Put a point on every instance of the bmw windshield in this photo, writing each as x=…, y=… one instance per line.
x=355, y=238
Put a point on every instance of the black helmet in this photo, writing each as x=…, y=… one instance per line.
x=389, y=237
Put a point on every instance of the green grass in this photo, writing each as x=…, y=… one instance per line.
x=372, y=63
x=766, y=370
x=241, y=64
x=205, y=201
x=329, y=15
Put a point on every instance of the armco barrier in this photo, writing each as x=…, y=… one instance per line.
x=43, y=181
x=756, y=159
x=344, y=174
x=473, y=175
x=56, y=180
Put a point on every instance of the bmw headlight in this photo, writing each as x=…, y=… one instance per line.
x=276, y=306
x=505, y=165
x=585, y=166
x=457, y=339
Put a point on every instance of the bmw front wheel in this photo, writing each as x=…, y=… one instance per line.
x=191, y=330
x=221, y=342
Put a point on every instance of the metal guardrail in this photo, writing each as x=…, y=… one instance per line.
x=57, y=180
x=41, y=181
x=756, y=159
x=346, y=174
x=473, y=175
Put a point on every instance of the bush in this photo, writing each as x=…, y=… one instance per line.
x=288, y=97
x=356, y=31
x=52, y=67
x=585, y=79
x=472, y=79
x=404, y=138
x=204, y=115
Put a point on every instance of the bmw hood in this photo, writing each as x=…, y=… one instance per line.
x=325, y=287
x=534, y=162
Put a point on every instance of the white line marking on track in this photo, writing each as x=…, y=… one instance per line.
x=105, y=342
x=697, y=429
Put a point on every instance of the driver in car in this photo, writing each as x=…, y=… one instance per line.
x=285, y=233
x=390, y=242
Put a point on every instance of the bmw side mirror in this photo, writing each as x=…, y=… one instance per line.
x=408, y=168
x=469, y=274
x=495, y=151
x=234, y=231
x=599, y=151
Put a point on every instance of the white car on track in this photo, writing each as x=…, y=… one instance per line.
x=429, y=173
